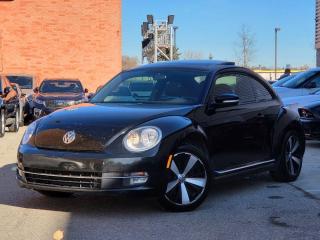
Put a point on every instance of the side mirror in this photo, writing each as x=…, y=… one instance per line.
x=226, y=100
x=86, y=90
x=36, y=90
x=6, y=90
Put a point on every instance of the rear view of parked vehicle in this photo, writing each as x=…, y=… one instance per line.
x=9, y=107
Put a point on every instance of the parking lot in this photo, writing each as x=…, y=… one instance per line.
x=247, y=208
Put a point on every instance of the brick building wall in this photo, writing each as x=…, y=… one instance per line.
x=61, y=38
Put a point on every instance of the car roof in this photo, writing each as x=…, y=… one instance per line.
x=61, y=79
x=191, y=64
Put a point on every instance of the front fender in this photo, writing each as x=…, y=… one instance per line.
x=287, y=119
x=174, y=130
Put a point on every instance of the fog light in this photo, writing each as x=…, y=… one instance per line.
x=138, y=178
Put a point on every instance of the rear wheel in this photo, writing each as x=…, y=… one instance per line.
x=2, y=123
x=54, y=194
x=15, y=125
x=290, y=159
x=187, y=180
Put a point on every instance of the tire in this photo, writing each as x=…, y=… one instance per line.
x=21, y=117
x=186, y=180
x=2, y=123
x=290, y=158
x=54, y=194
x=15, y=126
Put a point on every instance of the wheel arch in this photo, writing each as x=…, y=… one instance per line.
x=288, y=120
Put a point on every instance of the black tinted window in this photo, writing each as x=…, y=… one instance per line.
x=155, y=86
x=25, y=82
x=261, y=92
x=61, y=86
x=237, y=84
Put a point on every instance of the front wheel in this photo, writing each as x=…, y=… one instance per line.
x=2, y=123
x=290, y=159
x=187, y=179
x=15, y=125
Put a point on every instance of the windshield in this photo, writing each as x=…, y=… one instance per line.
x=61, y=86
x=298, y=79
x=25, y=82
x=158, y=86
x=280, y=82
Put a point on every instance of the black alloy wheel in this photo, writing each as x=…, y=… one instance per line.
x=186, y=181
x=290, y=160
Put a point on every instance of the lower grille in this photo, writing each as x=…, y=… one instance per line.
x=55, y=178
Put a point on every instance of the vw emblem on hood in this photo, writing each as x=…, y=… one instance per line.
x=69, y=137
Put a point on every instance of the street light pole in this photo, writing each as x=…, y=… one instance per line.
x=276, y=30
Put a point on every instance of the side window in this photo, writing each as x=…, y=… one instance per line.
x=247, y=88
x=261, y=92
x=244, y=89
x=314, y=83
x=237, y=84
x=225, y=84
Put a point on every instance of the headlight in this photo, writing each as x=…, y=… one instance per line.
x=41, y=102
x=142, y=139
x=28, y=133
x=304, y=113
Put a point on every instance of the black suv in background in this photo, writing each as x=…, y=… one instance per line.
x=26, y=83
x=9, y=107
x=54, y=94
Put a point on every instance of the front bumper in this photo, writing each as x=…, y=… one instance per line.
x=311, y=128
x=52, y=170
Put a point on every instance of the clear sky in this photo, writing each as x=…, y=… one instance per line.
x=212, y=26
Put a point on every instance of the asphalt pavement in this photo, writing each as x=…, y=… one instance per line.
x=247, y=208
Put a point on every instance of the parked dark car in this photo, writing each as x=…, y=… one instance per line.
x=54, y=94
x=193, y=121
x=9, y=107
x=26, y=83
x=308, y=108
x=301, y=84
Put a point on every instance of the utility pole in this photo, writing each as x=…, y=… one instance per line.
x=276, y=30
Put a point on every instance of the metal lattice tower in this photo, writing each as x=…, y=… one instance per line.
x=158, y=39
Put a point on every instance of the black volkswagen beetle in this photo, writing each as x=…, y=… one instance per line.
x=168, y=127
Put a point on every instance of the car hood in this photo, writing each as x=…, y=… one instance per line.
x=284, y=92
x=27, y=91
x=302, y=100
x=59, y=96
x=95, y=124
